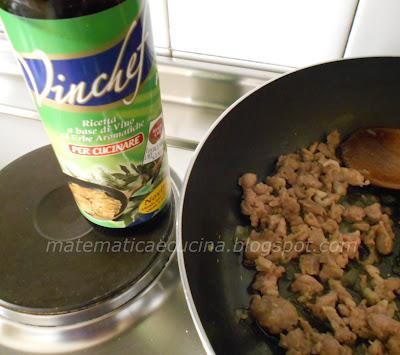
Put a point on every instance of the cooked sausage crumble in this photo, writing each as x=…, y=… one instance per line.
x=304, y=204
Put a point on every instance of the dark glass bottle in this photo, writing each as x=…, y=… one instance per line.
x=56, y=9
x=91, y=69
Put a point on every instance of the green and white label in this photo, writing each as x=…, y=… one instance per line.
x=94, y=81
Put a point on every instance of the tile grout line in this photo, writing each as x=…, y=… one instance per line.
x=351, y=29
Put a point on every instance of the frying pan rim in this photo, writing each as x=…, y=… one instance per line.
x=181, y=261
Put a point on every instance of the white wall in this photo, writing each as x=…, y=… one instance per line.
x=284, y=33
x=292, y=33
x=159, y=20
x=376, y=29
x=261, y=33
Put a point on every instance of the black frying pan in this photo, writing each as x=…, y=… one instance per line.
x=282, y=116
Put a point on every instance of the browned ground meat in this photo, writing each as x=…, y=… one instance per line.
x=267, y=278
x=342, y=333
x=309, y=264
x=358, y=322
x=297, y=341
x=330, y=269
x=328, y=300
x=307, y=286
x=274, y=313
x=383, y=326
x=384, y=239
x=354, y=214
x=382, y=289
x=303, y=204
x=343, y=295
x=305, y=340
x=328, y=345
x=376, y=348
x=393, y=345
x=374, y=212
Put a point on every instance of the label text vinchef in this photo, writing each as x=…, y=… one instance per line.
x=104, y=83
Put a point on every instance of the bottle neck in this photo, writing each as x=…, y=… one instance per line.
x=56, y=9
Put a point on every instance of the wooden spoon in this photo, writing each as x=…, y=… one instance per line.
x=377, y=152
